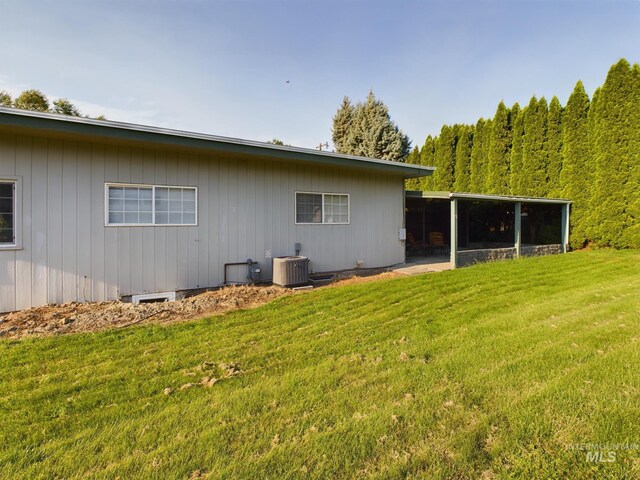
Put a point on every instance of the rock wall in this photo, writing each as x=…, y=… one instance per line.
x=538, y=250
x=469, y=257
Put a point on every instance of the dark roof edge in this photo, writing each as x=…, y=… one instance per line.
x=143, y=133
x=480, y=196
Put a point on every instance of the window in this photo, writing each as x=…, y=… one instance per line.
x=150, y=205
x=328, y=208
x=130, y=205
x=7, y=213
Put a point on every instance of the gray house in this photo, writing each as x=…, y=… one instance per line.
x=97, y=210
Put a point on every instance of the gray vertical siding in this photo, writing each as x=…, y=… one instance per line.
x=245, y=208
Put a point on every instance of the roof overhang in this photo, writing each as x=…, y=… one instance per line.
x=481, y=197
x=80, y=128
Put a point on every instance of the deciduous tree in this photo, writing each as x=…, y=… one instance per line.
x=32, y=100
x=5, y=99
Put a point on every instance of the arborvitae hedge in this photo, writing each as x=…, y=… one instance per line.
x=413, y=158
x=427, y=154
x=445, y=158
x=515, y=157
x=576, y=177
x=617, y=158
x=497, y=177
x=554, y=147
x=534, y=156
x=476, y=169
x=588, y=152
x=462, y=169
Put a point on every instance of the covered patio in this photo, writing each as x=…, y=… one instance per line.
x=472, y=228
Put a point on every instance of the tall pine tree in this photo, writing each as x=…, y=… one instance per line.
x=554, y=147
x=533, y=180
x=462, y=170
x=617, y=155
x=576, y=177
x=497, y=178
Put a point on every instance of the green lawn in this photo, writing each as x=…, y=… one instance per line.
x=491, y=371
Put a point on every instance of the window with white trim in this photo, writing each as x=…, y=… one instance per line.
x=7, y=212
x=150, y=205
x=326, y=208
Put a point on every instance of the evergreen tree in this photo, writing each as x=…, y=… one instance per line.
x=576, y=176
x=341, y=132
x=617, y=156
x=533, y=179
x=367, y=130
x=631, y=236
x=476, y=168
x=462, y=170
x=486, y=144
x=32, y=100
x=414, y=159
x=592, y=120
x=497, y=177
x=445, y=159
x=554, y=147
x=515, y=157
x=427, y=157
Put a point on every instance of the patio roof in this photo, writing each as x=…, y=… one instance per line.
x=482, y=197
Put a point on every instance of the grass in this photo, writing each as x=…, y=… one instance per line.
x=493, y=371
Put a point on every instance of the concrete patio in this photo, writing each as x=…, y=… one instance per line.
x=417, y=265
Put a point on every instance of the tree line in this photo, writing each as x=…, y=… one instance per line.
x=37, y=101
x=587, y=151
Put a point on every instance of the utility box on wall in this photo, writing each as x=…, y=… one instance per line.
x=290, y=271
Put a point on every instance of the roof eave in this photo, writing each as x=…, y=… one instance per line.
x=81, y=126
x=482, y=197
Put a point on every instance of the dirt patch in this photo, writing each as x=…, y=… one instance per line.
x=352, y=280
x=77, y=317
x=89, y=317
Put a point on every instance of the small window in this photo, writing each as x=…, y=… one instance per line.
x=322, y=208
x=130, y=205
x=150, y=205
x=7, y=213
x=175, y=206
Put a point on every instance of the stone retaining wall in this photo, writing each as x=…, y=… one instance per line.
x=469, y=257
x=538, y=250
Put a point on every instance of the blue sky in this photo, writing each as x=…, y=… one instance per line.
x=222, y=67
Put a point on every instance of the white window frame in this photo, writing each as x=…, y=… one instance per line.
x=295, y=203
x=153, y=205
x=17, y=213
